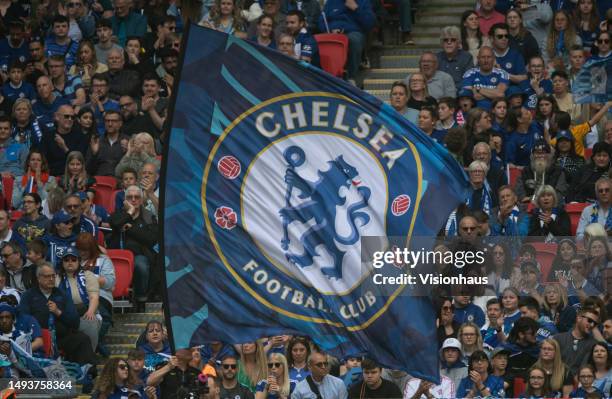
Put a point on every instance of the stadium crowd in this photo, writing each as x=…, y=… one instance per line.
x=86, y=87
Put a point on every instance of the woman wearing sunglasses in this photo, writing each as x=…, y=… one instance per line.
x=277, y=385
x=115, y=381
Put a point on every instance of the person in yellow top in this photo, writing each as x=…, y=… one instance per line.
x=561, y=121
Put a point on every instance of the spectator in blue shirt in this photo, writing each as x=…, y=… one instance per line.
x=306, y=48
x=586, y=376
x=507, y=58
x=68, y=87
x=355, y=19
x=486, y=82
x=13, y=154
x=47, y=102
x=59, y=43
x=522, y=138
x=15, y=87
x=14, y=47
x=100, y=101
x=479, y=382
x=466, y=311
x=538, y=83
x=126, y=22
x=508, y=220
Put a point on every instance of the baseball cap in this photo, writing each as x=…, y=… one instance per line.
x=500, y=351
x=541, y=146
x=450, y=343
x=70, y=251
x=465, y=93
x=565, y=134
x=61, y=216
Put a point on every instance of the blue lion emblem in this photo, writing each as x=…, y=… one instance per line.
x=323, y=197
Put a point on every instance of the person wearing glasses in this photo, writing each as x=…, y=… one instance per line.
x=577, y=344
x=319, y=383
x=19, y=276
x=73, y=206
x=599, y=212
x=116, y=381
x=135, y=228
x=480, y=381
x=100, y=102
x=506, y=58
x=604, y=50
x=538, y=385
x=32, y=224
x=61, y=236
x=231, y=388
x=69, y=87
x=277, y=385
x=452, y=59
x=586, y=389
x=64, y=138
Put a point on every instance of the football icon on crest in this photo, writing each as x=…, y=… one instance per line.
x=400, y=205
x=229, y=167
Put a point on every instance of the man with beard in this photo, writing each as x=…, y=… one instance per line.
x=167, y=69
x=100, y=102
x=134, y=120
x=541, y=171
x=230, y=387
x=152, y=105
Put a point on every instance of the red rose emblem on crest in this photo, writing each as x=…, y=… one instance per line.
x=225, y=217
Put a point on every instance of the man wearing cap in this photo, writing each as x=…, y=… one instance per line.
x=62, y=236
x=600, y=211
x=74, y=208
x=451, y=365
x=565, y=155
x=486, y=82
x=452, y=59
x=54, y=310
x=541, y=171
x=22, y=329
x=19, y=275
x=499, y=364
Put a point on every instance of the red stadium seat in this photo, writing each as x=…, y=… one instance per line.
x=574, y=210
x=105, y=186
x=513, y=175
x=7, y=191
x=333, y=51
x=123, y=260
x=587, y=153
x=14, y=216
x=519, y=386
x=101, y=241
x=546, y=253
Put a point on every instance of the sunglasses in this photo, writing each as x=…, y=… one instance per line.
x=277, y=365
x=231, y=366
x=68, y=116
x=123, y=366
x=591, y=321
x=602, y=41
x=74, y=206
x=468, y=228
x=501, y=37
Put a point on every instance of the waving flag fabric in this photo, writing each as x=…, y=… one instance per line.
x=274, y=173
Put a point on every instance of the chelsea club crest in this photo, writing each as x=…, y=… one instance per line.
x=299, y=180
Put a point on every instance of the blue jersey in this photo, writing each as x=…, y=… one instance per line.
x=24, y=90
x=44, y=112
x=306, y=46
x=9, y=54
x=72, y=83
x=439, y=135
x=68, y=51
x=518, y=146
x=471, y=313
x=512, y=62
x=477, y=79
x=494, y=383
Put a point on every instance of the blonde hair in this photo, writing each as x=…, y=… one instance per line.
x=285, y=386
x=559, y=368
x=479, y=342
x=425, y=91
x=149, y=147
x=569, y=37
x=561, y=291
x=260, y=372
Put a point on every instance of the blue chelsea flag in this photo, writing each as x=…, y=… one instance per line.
x=274, y=172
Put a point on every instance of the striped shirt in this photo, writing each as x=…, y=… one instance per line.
x=67, y=50
x=71, y=85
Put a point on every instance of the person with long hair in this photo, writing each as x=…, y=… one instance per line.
x=87, y=122
x=558, y=373
x=140, y=151
x=520, y=38
x=499, y=267
x=538, y=384
x=298, y=351
x=82, y=286
x=566, y=250
x=556, y=306
x=561, y=37
x=510, y=307
x=470, y=338
x=566, y=157
x=521, y=140
x=399, y=101
x=586, y=20
x=599, y=257
x=35, y=179
x=601, y=360
x=252, y=368
x=115, y=380
x=87, y=63
x=545, y=109
x=418, y=96
x=75, y=177
x=472, y=38
x=265, y=32
x=549, y=219
x=277, y=385
x=480, y=381
x=26, y=128
x=155, y=343
x=95, y=261
x=499, y=116
x=225, y=16
x=477, y=123
x=447, y=326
